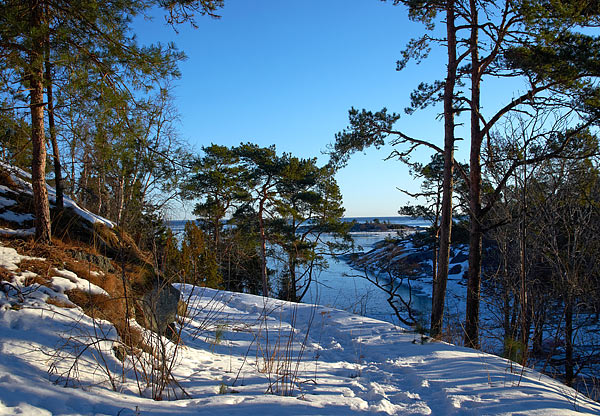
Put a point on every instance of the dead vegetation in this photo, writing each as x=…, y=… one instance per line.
x=6, y=179
x=130, y=274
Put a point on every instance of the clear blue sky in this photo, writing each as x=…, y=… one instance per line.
x=286, y=72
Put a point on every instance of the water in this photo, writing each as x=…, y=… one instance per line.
x=413, y=222
x=178, y=225
x=342, y=287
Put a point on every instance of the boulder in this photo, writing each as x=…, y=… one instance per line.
x=418, y=257
x=96, y=259
x=459, y=258
x=160, y=305
x=456, y=269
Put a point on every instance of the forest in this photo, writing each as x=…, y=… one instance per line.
x=86, y=109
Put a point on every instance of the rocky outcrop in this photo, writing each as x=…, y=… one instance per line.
x=456, y=269
x=98, y=260
x=160, y=305
x=109, y=256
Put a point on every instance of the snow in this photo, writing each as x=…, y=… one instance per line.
x=241, y=345
x=10, y=259
x=4, y=202
x=82, y=212
x=17, y=176
x=8, y=232
x=67, y=280
x=16, y=217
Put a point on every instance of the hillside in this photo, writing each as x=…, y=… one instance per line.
x=234, y=354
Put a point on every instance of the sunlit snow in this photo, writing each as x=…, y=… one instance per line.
x=234, y=350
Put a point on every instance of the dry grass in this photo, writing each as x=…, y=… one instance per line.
x=88, y=271
x=110, y=309
x=39, y=267
x=6, y=179
x=5, y=275
x=36, y=280
x=60, y=303
x=132, y=265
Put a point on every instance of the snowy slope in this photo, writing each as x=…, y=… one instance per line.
x=340, y=363
x=21, y=180
x=238, y=354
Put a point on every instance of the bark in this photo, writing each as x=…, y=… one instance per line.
x=475, y=212
x=441, y=277
x=217, y=236
x=99, y=194
x=58, y=182
x=263, y=243
x=506, y=299
x=72, y=187
x=292, y=292
x=85, y=176
x=121, y=199
x=525, y=311
x=38, y=165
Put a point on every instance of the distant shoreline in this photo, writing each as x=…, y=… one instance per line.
x=393, y=223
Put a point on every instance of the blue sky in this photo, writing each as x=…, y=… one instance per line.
x=286, y=73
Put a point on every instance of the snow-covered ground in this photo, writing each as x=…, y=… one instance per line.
x=21, y=180
x=234, y=351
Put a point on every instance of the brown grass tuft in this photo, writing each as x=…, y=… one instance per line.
x=132, y=266
x=39, y=267
x=36, y=280
x=112, y=310
x=60, y=303
x=5, y=275
x=6, y=179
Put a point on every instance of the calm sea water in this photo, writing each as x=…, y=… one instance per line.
x=177, y=225
x=413, y=222
x=342, y=287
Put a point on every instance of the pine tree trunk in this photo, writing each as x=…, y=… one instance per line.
x=292, y=295
x=85, y=176
x=526, y=311
x=121, y=201
x=99, y=193
x=475, y=213
x=441, y=278
x=72, y=182
x=263, y=245
x=38, y=165
x=506, y=297
x=58, y=182
x=217, y=239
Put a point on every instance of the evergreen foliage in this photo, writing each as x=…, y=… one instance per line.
x=85, y=52
x=281, y=208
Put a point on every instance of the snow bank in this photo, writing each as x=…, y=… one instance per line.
x=242, y=345
x=67, y=280
x=17, y=176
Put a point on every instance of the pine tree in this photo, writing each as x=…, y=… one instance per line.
x=217, y=182
x=92, y=40
x=536, y=43
x=309, y=208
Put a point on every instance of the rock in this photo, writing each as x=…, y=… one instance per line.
x=120, y=352
x=418, y=257
x=96, y=259
x=160, y=305
x=459, y=258
x=456, y=269
x=182, y=309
